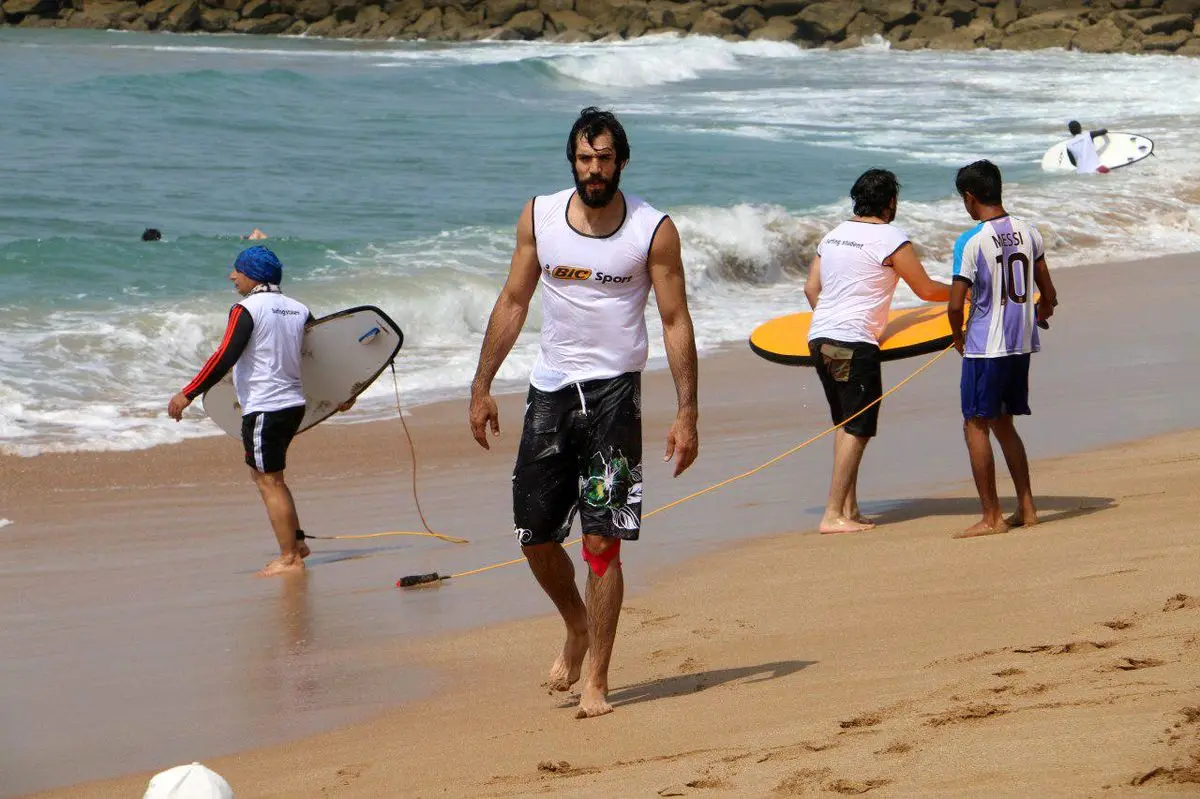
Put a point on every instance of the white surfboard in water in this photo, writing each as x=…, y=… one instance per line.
x=343, y=353
x=1116, y=149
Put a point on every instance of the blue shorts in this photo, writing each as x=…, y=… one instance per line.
x=995, y=387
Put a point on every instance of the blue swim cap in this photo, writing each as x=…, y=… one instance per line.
x=259, y=263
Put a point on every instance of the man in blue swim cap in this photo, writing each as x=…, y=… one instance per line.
x=262, y=344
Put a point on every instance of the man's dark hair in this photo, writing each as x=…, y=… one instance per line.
x=151, y=234
x=982, y=179
x=591, y=123
x=873, y=192
x=1074, y=127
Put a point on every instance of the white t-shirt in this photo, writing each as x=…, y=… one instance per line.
x=267, y=375
x=1084, y=150
x=594, y=293
x=856, y=288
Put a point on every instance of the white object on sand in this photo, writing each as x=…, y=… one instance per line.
x=188, y=782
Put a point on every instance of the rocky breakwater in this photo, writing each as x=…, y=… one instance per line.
x=1099, y=26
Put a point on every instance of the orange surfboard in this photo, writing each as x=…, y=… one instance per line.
x=909, y=332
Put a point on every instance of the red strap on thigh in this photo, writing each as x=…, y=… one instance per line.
x=601, y=561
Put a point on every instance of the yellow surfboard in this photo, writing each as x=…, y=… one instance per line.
x=909, y=332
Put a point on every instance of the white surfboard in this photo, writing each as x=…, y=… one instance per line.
x=343, y=354
x=1116, y=149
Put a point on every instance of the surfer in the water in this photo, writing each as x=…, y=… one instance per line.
x=1081, y=150
x=262, y=345
x=596, y=252
x=850, y=286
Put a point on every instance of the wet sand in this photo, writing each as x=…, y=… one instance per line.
x=136, y=637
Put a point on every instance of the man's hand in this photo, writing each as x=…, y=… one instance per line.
x=483, y=414
x=683, y=441
x=347, y=405
x=959, y=344
x=177, y=405
x=1045, y=310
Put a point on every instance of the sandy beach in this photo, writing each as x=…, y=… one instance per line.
x=752, y=659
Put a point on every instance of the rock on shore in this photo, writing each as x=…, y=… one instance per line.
x=1094, y=26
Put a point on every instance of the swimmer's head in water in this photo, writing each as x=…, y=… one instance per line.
x=1074, y=127
x=875, y=194
x=597, y=150
x=151, y=234
x=259, y=264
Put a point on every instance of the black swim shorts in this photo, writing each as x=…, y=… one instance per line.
x=266, y=435
x=852, y=378
x=580, y=452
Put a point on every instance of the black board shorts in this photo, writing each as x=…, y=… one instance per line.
x=852, y=378
x=580, y=452
x=266, y=435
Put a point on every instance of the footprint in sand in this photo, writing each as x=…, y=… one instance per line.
x=861, y=721
x=853, y=787
x=960, y=715
x=895, y=748
x=1133, y=664
x=1181, y=602
x=1119, y=624
x=1068, y=648
x=689, y=666
x=1010, y=672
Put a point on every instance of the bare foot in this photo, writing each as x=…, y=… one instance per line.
x=565, y=671
x=284, y=564
x=983, y=528
x=841, y=524
x=593, y=702
x=302, y=550
x=1022, y=520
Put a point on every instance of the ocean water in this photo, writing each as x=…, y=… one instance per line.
x=392, y=174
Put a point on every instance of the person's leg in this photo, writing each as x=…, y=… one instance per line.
x=1016, y=402
x=281, y=510
x=605, y=593
x=545, y=490
x=857, y=386
x=610, y=513
x=555, y=573
x=847, y=455
x=267, y=437
x=983, y=469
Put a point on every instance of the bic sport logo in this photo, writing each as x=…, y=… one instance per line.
x=580, y=273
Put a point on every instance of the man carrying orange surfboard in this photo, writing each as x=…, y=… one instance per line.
x=850, y=286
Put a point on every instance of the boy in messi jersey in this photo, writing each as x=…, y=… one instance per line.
x=998, y=261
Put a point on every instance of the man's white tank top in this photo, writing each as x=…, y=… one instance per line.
x=267, y=375
x=594, y=293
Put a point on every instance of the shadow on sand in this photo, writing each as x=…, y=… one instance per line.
x=685, y=684
x=1050, y=508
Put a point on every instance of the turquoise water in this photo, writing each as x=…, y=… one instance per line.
x=392, y=174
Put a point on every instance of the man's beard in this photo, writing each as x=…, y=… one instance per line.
x=598, y=197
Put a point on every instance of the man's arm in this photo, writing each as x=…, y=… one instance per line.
x=812, y=285
x=1048, y=295
x=955, y=310
x=908, y=267
x=504, y=325
x=670, y=292
x=233, y=344
x=1101, y=132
